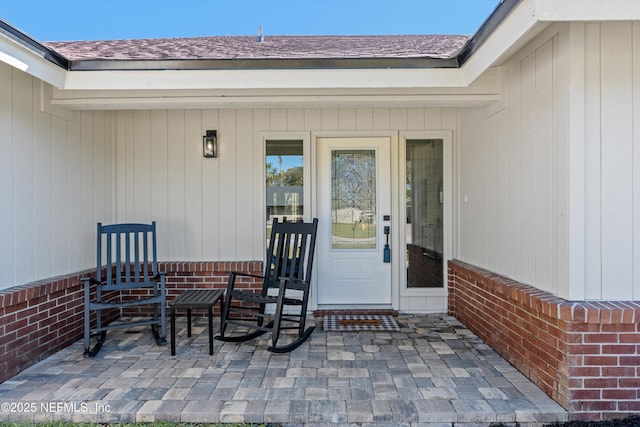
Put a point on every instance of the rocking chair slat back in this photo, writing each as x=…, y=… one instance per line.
x=291, y=248
x=126, y=249
x=130, y=265
x=288, y=266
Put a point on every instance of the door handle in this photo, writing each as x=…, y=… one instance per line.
x=386, y=257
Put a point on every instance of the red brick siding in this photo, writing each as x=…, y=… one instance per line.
x=582, y=354
x=200, y=275
x=37, y=320
x=40, y=318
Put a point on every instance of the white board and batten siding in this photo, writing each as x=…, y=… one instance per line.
x=612, y=153
x=549, y=190
x=508, y=176
x=214, y=207
x=55, y=183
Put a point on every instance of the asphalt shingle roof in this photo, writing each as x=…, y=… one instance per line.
x=272, y=47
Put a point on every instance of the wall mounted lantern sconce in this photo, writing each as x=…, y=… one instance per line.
x=210, y=144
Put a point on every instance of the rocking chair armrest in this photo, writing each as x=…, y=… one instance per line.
x=160, y=275
x=285, y=281
x=90, y=281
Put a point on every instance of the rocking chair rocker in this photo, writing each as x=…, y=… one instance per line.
x=130, y=279
x=288, y=270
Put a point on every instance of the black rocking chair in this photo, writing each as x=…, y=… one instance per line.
x=288, y=271
x=129, y=279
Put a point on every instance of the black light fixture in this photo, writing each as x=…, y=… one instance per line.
x=210, y=144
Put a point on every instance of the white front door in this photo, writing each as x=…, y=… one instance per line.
x=353, y=208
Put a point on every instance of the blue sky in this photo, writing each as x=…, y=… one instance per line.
x=57, y=20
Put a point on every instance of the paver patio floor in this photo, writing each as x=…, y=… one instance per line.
x=434, y=372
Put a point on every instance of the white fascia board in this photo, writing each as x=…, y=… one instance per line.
x=531, y=17
x=311, y=101
x=23, y=59
x=515, y=30
x=587, y=10
x=264, y=79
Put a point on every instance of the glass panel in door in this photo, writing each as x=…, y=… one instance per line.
x=353, y=199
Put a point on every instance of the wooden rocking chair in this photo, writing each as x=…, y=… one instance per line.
x=288, y=270
x=130, y=278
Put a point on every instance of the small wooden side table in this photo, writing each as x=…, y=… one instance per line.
x=195, y=299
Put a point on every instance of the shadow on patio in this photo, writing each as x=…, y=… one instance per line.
x=433, y=372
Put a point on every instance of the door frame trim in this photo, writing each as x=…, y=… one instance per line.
x=448, y=187
x=395, y=207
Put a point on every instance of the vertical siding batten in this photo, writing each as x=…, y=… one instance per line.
x=528, y=119
x=159, y=176
x=128, y=158
x=593, y=167
x=75, y=242
x=543, y=159
x=245, y=177
x=516, y=161
x=43, y=262
x=472, y=214
x=636, y=160
x=228, y=189
x=60, y=195
x=559, y=184
x=176, y=181
x=490, y=195
x=617, y=156
x=210, y=192
x=192, y=182
x=87, y=224
x=364, y=119
x=346, y=118
x=100, y=165
x=295, y=119
x=141, y=173
x=503, y=232
x=573, y=140
x=261, y=124
x=7, y=177
x=381, y=118
x=24, y=181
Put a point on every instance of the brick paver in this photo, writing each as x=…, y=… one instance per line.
x=433, y=372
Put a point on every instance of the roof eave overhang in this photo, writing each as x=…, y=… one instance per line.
x=512, y=24
x=264, y=79
x=26, y=54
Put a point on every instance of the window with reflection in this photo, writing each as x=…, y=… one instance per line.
x=425, y=212
x=284, y=181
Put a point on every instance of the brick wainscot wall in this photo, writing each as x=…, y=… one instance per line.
x=40, y=318
x=582, y=354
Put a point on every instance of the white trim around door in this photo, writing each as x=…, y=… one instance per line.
x=430, y=235
x=356, y=259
